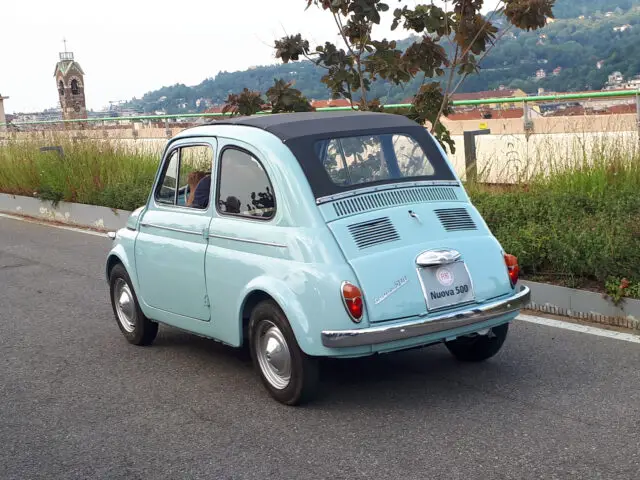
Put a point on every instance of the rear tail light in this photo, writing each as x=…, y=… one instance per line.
x=512, y=266
x=352, y=298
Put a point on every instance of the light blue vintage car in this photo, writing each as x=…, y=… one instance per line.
x=301, y=236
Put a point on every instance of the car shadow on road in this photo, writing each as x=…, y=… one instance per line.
x=429, y=374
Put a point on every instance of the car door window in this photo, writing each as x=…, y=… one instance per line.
x=166, y=193
x=244, y=187
x=186, y=181
x=195, y=176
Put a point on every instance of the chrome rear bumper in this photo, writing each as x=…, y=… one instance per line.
x=425, y=326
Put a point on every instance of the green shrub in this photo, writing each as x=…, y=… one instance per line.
x=575, y=226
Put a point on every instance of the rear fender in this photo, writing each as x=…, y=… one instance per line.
x=288, y=303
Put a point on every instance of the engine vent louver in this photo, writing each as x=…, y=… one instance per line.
x=373, y=232
x=402, y=196
x=455, y=219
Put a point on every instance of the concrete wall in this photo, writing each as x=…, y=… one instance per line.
x=76, y=214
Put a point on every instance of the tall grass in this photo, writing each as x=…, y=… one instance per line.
x=90, y=171
x=576, y=219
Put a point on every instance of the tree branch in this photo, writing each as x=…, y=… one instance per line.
x=446, y=92
x=502, y=34
x=315, y=62
x=357, y=58
x=483, y=27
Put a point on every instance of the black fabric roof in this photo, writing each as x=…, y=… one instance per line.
x=301, y=131
x=287, y=126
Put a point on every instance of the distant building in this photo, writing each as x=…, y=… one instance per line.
x=339, y=102
x=48, y=114
x=622, y=28
x=70, y=82
x=615, y=79
x=214, y=109
x=600, y=64
x=203, y=102
x=3, y=118
x=541, y=73
x=556, y=71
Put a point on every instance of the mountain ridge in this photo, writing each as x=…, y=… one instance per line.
x=587, y=41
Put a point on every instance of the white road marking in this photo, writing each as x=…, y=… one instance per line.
x=47, y=224
x=601, y=332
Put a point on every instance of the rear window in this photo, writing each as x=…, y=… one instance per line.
x=371, y=158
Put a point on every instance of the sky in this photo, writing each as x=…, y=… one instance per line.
x=129, y=47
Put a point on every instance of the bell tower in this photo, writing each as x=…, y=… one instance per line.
x=70, y=82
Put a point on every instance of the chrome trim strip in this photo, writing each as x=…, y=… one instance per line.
x=246, y=240
x=426, y=326
x=437, y=257
x=389, y=186
x=171, y=229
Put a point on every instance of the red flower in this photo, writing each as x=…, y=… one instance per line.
x=624, y=283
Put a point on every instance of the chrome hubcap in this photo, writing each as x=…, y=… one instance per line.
x=273, y=354
x=123, y=299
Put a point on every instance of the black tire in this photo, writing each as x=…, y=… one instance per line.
x=303, y=380
x=479, y=347
x=140, y=330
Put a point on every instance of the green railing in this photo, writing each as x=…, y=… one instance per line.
x=459, y=103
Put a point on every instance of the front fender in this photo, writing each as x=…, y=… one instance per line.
x=123, y=251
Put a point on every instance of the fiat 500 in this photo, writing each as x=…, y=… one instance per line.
x=302, y=236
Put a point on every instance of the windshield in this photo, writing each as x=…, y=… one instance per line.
x=371, y=158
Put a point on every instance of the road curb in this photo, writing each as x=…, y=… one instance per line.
x=583, y=305
x=64, y=213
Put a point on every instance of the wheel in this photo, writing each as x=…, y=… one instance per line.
x=136, y=328
x=290, y=376
x=478, y=348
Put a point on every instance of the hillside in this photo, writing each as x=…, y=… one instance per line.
x=595, y=32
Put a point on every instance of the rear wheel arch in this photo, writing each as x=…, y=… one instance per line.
x=250, y=302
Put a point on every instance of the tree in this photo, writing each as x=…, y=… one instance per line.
x=467, y=35
x=284, y=98
x=245, y=103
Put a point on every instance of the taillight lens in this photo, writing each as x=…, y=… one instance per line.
x=352, y=298
x=512, y=266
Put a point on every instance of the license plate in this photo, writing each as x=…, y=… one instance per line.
x=446, y=285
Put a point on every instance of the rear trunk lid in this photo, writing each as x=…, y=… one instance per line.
x=386, y=243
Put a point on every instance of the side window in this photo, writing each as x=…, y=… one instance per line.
x=412, y=160
x=195, y=176
x=244, y=187
x=166, y=193
x=186, y=181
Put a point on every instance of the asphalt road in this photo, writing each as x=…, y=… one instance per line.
x=77, y=401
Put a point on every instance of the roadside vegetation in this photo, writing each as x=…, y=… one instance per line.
x=575, y=223
x=91, y=172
